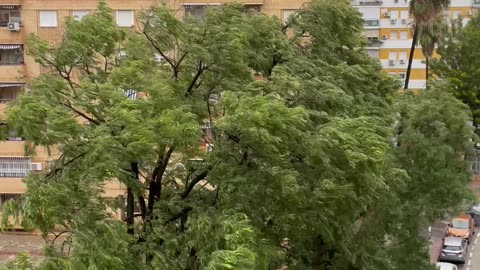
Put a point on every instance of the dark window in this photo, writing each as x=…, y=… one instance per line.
x=4, y=197
x=9, y=14
x=11, y=54
x=252, y=8
x=195, y=11
x=9, y=93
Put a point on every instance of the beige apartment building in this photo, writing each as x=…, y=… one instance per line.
x=45, y=18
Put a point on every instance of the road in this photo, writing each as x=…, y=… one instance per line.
x=473, y=259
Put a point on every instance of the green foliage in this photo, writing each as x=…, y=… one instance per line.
x=458, y=64
x=304, y=154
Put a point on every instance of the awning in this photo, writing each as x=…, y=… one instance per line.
x=10, y=46
x=4, y=85
x=13, y=7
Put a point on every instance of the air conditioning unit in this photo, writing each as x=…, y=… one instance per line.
x=36, y=166
x=402, y=61
x=386, y=14
x=384, y=37
x=391, y=62
x=393, y=21
x=469, y=13
x=404, y=21
x=14, y=26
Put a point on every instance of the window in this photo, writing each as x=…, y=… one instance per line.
x=372, y=53
x=196, y=11
x=9, y=14
x=392, y=56
x=394, y=15
x=393, y=35
x=125, y=18
x=4, y=197
x=9, y=91
x=250, y=8
x=11, y=54
x=402, y=75
x=287, y=13
x=48, y=18
x=404, y=35
x=79, y=14
x=14, y=166
x=404, y=14
x=402, y=55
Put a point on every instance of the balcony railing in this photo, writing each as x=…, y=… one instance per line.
x=371, y=23
x=366, y=3
x=374, y=43
x=14, y=166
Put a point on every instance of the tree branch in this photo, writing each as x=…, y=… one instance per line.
x=194, y=181
x=200, y=69
x=152, y=42
x=54, y=172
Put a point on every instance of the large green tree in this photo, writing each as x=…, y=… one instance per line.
x=458, y=64
x=304, y=154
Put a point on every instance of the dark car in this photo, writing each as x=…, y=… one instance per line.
x=454, y=249
x=474, y=212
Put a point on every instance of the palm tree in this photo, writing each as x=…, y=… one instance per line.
x=427, y=28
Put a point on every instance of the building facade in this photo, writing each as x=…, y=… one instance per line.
x=45, y=18
x=387, y=26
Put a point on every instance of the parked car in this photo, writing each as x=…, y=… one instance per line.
x=446, y=266
x=474, y=212
x=454, y=249
x=462, y=226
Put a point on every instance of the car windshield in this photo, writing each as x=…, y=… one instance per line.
x=452, y=248
x=460, y=224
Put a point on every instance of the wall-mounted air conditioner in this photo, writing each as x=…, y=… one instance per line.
x=14, y=26
x=402, y=61
x=393, y=21
x=391, y=62
x=404, y=21
x=36, y=166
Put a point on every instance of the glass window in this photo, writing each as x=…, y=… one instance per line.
x=393, y=35
x=392, y=55
x=11, y=54
x=403, y=35
x=125, y=18
x=452, y=248
x=79, y=14
x=8, y=15
x=460, y=224
x=196, y=11
x=48, y=18
x=402, y=55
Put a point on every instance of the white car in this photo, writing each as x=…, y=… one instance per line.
x=446, y=266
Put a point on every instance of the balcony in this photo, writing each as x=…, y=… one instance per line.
x=366, y=3
x=476, y=3
x=374, y=43
x=10, y=21
x=371, y=23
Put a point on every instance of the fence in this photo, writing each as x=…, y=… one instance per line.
x=14, y=166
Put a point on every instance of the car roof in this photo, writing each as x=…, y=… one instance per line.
x=453, y=241
x=462, y=217
x=445, y=266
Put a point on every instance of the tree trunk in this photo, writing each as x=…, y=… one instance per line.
x=130, y=209
x=410, y=59
x=426, y=72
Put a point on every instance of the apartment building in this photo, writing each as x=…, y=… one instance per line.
x=45, y=18
x=387, y=26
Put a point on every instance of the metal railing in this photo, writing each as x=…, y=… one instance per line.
x=14, y=166
x=375, y=22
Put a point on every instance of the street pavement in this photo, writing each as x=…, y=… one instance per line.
x=473, y=261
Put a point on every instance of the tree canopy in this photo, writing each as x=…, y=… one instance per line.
x=303, y=172
x=458, y=64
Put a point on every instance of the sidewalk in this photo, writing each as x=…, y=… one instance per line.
x=435, y=244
